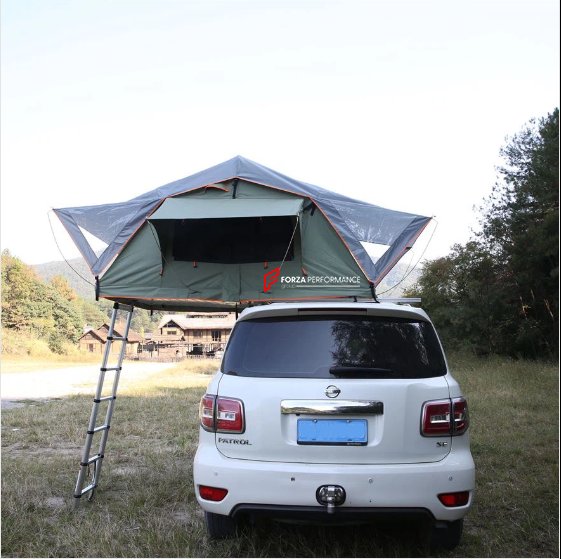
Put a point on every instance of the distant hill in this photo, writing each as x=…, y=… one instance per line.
x=83, y=289
x=60, y=268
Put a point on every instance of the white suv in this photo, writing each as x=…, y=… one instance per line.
x=335, y=413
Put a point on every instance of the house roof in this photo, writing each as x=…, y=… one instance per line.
x=101, y=332
x=95, y=334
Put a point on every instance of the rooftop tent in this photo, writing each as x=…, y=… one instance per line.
x=237, y=234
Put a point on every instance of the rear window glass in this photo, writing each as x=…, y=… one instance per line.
x=334, y=347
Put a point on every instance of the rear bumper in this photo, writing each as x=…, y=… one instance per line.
x=341, y=515
x=277, y=488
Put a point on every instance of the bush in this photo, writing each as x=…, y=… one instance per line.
x=21, y=344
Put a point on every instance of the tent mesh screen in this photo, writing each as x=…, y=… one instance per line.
x=233, y=240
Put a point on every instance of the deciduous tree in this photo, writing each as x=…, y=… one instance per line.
x=499, y=292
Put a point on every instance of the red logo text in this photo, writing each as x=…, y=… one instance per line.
x=270, y=278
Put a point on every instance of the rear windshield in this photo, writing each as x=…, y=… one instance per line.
x=334, y=347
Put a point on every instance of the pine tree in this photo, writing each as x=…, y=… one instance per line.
x=521, y=230
x=499, y=292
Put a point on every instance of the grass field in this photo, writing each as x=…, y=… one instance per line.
x=25, y=365
x=23, y=352
x=146, y=505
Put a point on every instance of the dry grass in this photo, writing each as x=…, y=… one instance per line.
x=21, y=352
x=146, y=505
x=26, y=365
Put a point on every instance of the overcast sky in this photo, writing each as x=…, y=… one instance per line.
x=401, y=104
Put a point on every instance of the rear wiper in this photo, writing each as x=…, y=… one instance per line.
x=357, y=370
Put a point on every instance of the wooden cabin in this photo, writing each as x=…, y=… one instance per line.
x=93, y=341
x=191, y=334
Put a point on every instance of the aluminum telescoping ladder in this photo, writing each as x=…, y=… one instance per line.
x=90, y=465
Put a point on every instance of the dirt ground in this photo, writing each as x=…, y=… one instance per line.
x=54, y=383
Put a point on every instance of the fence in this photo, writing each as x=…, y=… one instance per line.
x=179, y=351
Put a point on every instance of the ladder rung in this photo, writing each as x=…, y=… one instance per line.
x=92, y=459
x=97, y=429
x=117, y=339
x=123, y=307
x=104, y=399
x=105, y=369
x=86, y=490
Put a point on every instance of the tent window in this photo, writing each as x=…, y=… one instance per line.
x=234, y=240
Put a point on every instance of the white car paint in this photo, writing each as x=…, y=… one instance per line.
x=398, y=468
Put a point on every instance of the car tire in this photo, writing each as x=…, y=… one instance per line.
x=447, y=536
x=219, y=527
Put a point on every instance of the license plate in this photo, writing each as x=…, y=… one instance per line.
x=346, y=432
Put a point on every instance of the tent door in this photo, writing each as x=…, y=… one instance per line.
x=233, y=231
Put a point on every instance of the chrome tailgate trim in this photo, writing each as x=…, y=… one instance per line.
x=327, y=407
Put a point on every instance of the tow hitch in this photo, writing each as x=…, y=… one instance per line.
x=330, y=496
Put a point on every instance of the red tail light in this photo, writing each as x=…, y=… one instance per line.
x=229, y=416
x=221, y=415
x=460, y=415
x=212, y=493
x=444, y=417
x=206, y=412
x=454, y=499
x=436, y=418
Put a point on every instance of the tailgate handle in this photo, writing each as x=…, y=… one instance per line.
x=327, y=407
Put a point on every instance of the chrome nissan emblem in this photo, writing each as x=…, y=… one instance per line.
x=332, y=391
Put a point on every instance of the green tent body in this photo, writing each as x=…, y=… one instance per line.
x=238, y=241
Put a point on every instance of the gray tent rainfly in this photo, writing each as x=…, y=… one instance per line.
x=238, y=234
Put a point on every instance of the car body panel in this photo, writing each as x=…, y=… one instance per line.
x=366, y=485
x=398, y=468
x=393, y=436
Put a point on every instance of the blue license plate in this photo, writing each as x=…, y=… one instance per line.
x=346, y=432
